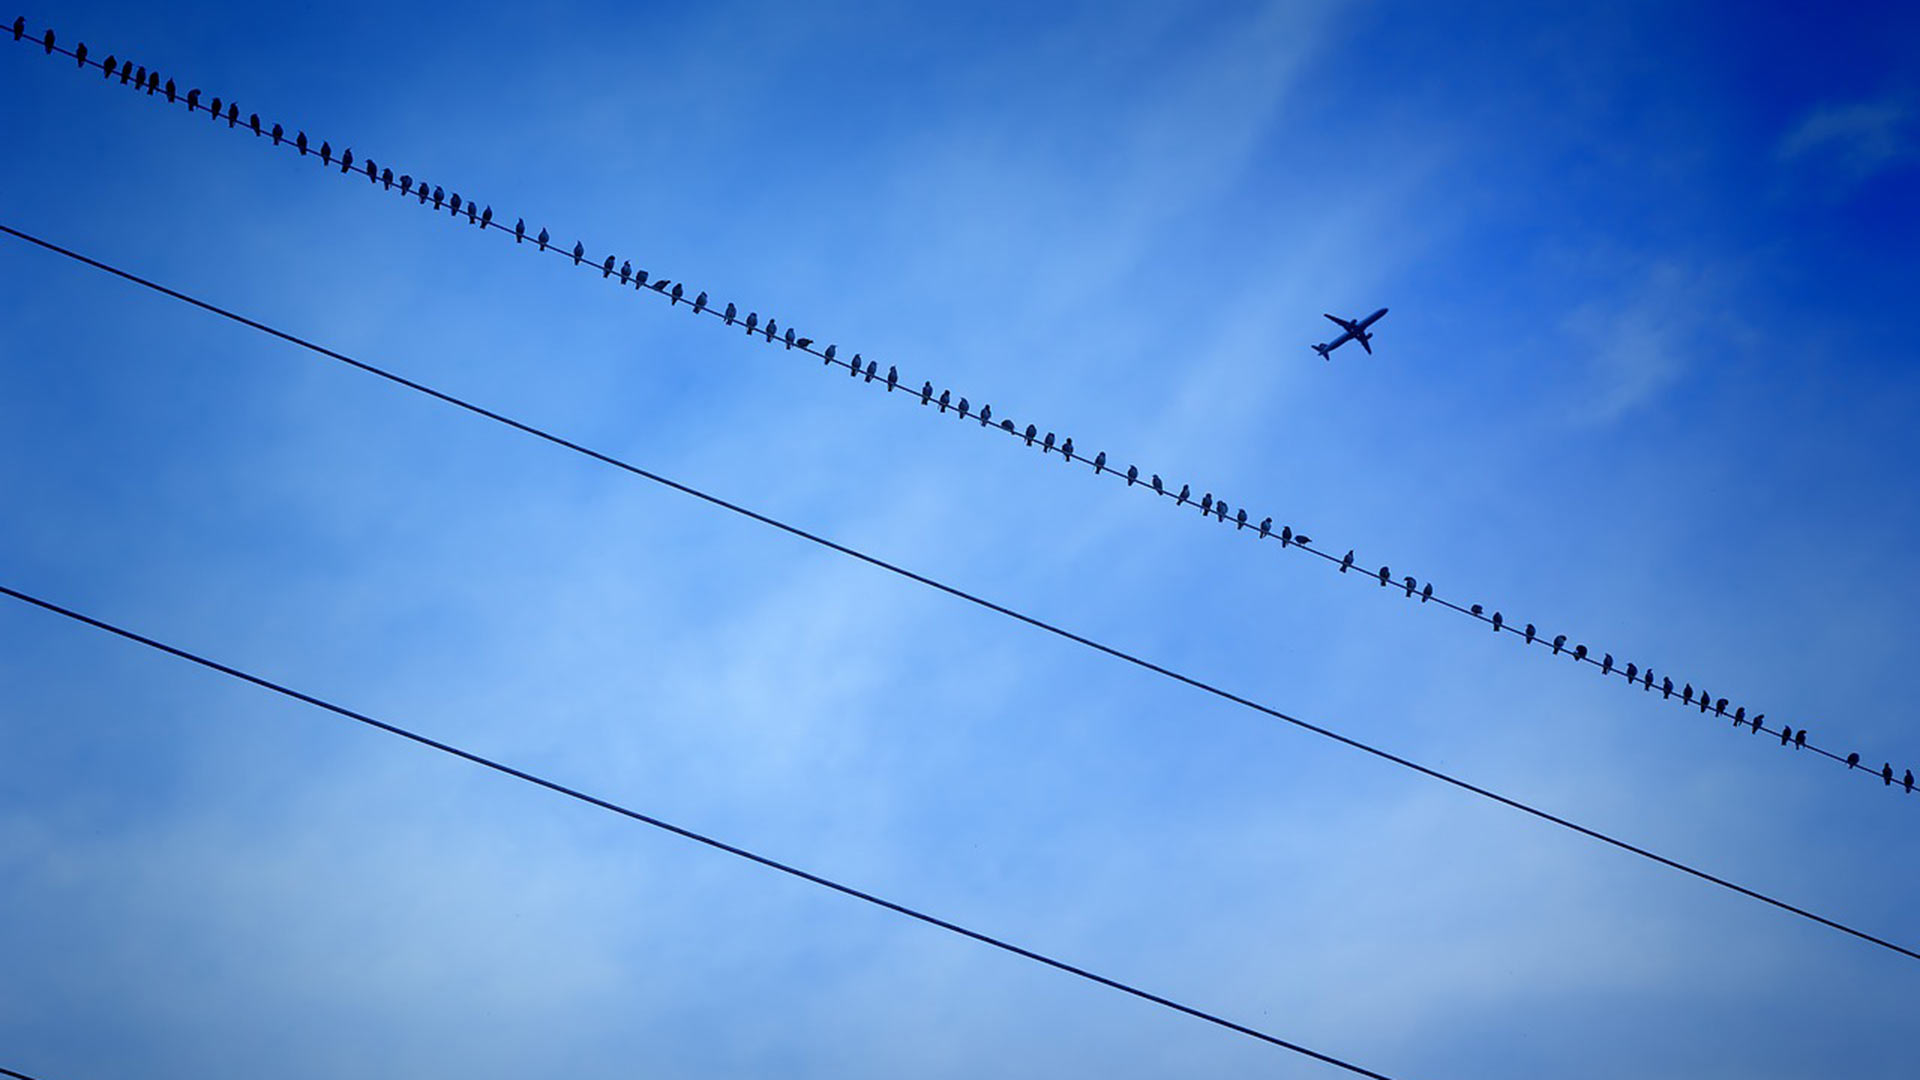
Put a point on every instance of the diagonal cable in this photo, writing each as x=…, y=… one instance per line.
x=950, y=590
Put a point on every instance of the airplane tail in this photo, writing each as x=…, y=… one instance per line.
x=1323, y=350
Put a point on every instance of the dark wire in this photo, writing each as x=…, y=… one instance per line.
x=950, y=590
x=328, y=161
x=699, y=838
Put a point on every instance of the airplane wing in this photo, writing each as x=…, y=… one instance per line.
x=1363, y=339
x=1344, y=324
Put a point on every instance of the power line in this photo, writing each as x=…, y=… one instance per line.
x=699, y=838
x=872, y=560
x=142, y=79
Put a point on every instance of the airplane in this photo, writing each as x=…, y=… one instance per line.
x=1351, y=330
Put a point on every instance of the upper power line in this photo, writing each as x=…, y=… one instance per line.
x=613, y=268
x=961, y=594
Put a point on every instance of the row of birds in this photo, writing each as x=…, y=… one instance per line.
x=857, y=367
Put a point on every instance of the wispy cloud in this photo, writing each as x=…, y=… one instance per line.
x=1857, y=140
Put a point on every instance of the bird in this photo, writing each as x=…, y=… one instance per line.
x=1559, y=642
x=946, y=398
x=486, y=218
x=1853, y=760
x=1157, y=488
x=253, y=121
x=1220, y=510
x=1739, y=716
x=1757, y=717
x=1886, y=775
x=769, y=330
x=729, y=314
x=639, y=279
x=1476, y=611
x=422, y=192
x=1066, y=448
x=1386, y=575
x=1632, y=672
x=827, y=357
x=1239, y=520
x=986, y=414
x=519, y=227
x=1579, y=652
x=473, y=214
x=453, y=202
x=1785, y=734
x=626, y=271
x=700, y=303
x=753, y=320
x=346, y=158
x=80, y=54
x=674, y=298
x=233, y=110
x=1206, y=504
x=804, y=343
x=542, y=239
x=439, y=195
x=1530, y=633
x=48, y=42
x=1686, y=694
x=326, y=148
x=579, y=249
x=659, y=285
x=926, y=395
x=1409, y=583
x=113, y=63
x=1133, y=475
x=1286, y=537
x=606, y=270
x=1426, y=594
x=213, y=110
x=1031, y=432
x=1497, y=620
x=1100, y=462
x=299, y=140
x=1606, y=664
x=278, y=132
x=19, y=27
x=1907, y=781
x=1646, y=680
x=1800, y=739
x=893, y=378
x=193, y=95
x=1186, y=492
x=1720, y=707
x=1301, y=539
x=406, y=185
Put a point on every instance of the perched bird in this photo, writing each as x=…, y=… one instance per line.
x=730, y=313
x=326, y=148
x=1385, y=575
x=804, y=343
x=579, y=249
x=1786, y=733
x=626, y=271
x=893, y=379
x=639, y=279
x=1031, y=432
x=1476, y=610
x=213, y=110
x=1206, y=504
x=1886, y=775
x=1186, y=492
x=1579, y=652
x=439, y=196
x=19, y=27
x=473, y=214
x=80, y=54
x=769, y=330
x=1800, y=739
x=1497, y=620
x=519, y=227
x=453, y=203
x=1266, y=527
x=1046, y=444
x=1907, y=781
x=299, y=140
x=1157, y=488
x=659, y=285
x=1632, y=672
x=1739, y=716
x=1530, y=633
x=926, y=395
x=700, y=303
x=48, y=42
x=1853, y=760
x=1757, y=717
x=606, y=270
x=1606, y=664
x=753, y=320
x=1720, y=707
x=1100, y=462
x=1646, y=680
x=386, y=181
x=1286, y=537
x=1559, y=642
x=986, y=413
x=1666, y=688
x=193, y=96
x=278, y=133
x=1133, y=474
x=1301, y=539
x=674, y=298
x=253, y=121
x=406, y=185
x=542, y=239
x=1426, y=594
x=421, y=192
x=486, y=217
x=233, y=110
x=1220, y=510
x=1686, y=694
x=827, y=357
x=113, y=63
x=1409, y=583
x=346, y=158
x=1706, y=702
x=946, y=398
x=1066, y=448
x=1239, y=520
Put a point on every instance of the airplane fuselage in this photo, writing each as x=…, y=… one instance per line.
x=1350, y=330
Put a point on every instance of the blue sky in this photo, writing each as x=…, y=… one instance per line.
x=1648, y=380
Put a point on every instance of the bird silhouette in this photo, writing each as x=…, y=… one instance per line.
x=1206, y=504
x=1239, y=520
x=729, y=314
x=1757, y=717
x=1186, y=492
x=1646, y=680
x=1632, y=672
x=1100, y=462
x=453, y=202
x=674, y=298
x=406, y=185
x=80, y=54
x=1786, y=733
x=19, y=27
x=278, y=133
x=946, y=398
x=1157, y=488
x=579, y=249
x=193, y=96
x=486, y=217
x=519, y=227
x=1497, y=620
x=659, y=285
x=1606, y=664
x=1720, y=707
x=1133, y=474
x=805, y=342
x=439, y=195
x=626, y=271
x=1559, y=642
x=893, y=379
x=1386, y=575
x=788, y=339
x=128, y=67
x=346, y=158
x=1530, y=633
x=48, y=42
x=542, y=239
x=1579, y=652
x=1800, y=739
x=233, y=110
x=1886, y=775
x=299, y=140
x=606, y=270
x=253, y=121
x=753, y=319
x=1686, y=694
x=1301, y=539
x=700, y=303
x=1266, y=527
x=1286, y=537
x=1031, y=432
x=1476, y=611
x=926, y=395
x=171, y=98
x=1907, y=781
x=1066, y=448
x=1426, y=593
x=1853, y=760
x=986, y=414
x=1409, y=583
x=113, y=63
x=1739, y=716
x=1220, y=510
x=770, y=330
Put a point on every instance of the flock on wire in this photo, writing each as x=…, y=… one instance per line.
x=228, y=112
